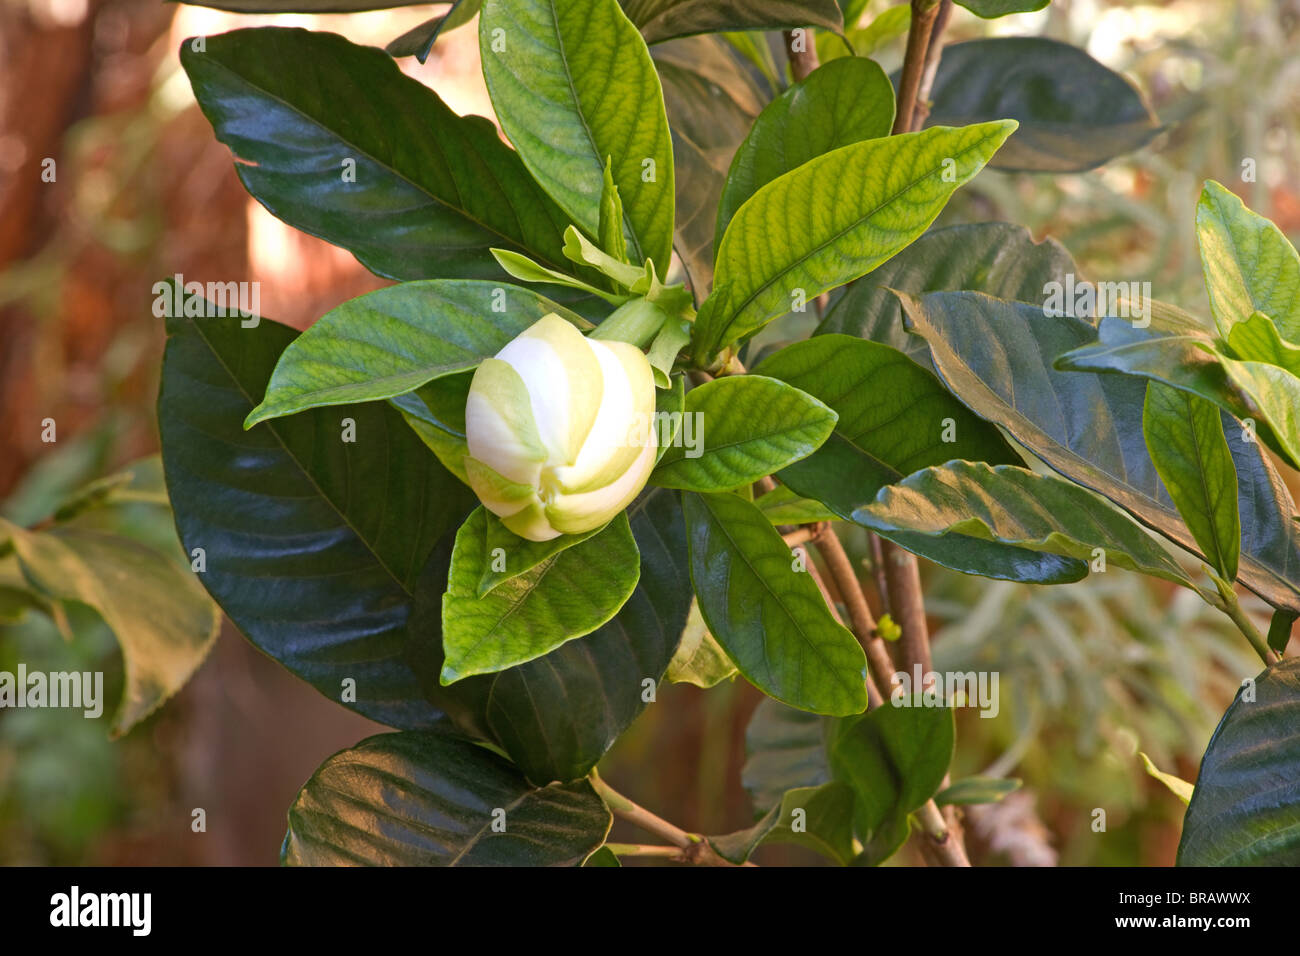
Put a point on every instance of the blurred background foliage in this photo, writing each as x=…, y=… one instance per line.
x=1090, y=674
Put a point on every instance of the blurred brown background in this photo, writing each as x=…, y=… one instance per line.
x=141, y=190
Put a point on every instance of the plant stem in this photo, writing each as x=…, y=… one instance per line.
x=924, y=14
x=802, y=62
x=644, y=849
x=1232, y=607
x=943, y=841
x=903, y=581
x=689, y=847
x=864, y=624
x=921, y=109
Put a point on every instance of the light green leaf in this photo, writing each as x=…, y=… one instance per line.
x=990, y=9
x=1179, y=787
x=572, y=83
x=1249, y=265
x=833, y=219
x=746, y=426
x=394, y=340
x=1256, y=339
x=970, y=790
x=430, y=798
x=783, y=506
x=699, y=660
x=567, y=595
x=1019, y=507
x=771, y=619
x=845, y=101
x=1184, y=436
x=514, y=555
x=162, y=619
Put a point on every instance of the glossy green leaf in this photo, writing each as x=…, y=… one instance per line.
x=998, y=356
x=1177, y=786
x=846, y=101
x=997, y=258
x=1249, y=264
x=1279, y=629
x=1017, y=506
x=367, y=158
x=312, y=544
x=700, y=659
x=305, y=6
x=567, y=595
x=990, y=9
x=1245, y=810
x=833, y=219
x=1184, y=436
x=419, y=40
x=392, y=341
x=745, y=427
x=558, y=715
x=664, y=19
x=1074, y=113
x=895, y=417
x=1266, y=395
x=972, y=790
x=819, y=818
x=164, y=623
x=894, y=758
x=784, y=749
x=603, y=857
x=572, y=83
x=431, y=799
x=771, y=619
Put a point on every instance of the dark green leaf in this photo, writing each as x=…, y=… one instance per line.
x=312, y=545
x=846, y=101
x=744, y=427
x=771, y=619
x=1016, y=506
x=833, y=219
x=1245, y=810
x=572, y=83
x=389, y=342
x=419, y=40
x=603, y=857
x=895, y=758
x=367, y=158
x=1249, y=264
x=784, y=749
x=1074, y=113
x=567, y=595
x=819, y=818
x=1184, y=437
x=998, y=258
x=997, y=357
x=895, y=417
x=434, y=799
x=664, y=19
x=1279, y=629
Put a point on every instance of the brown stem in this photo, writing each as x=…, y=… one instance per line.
x=903, y=581
x=802, y=62
x=924, y=14
x=921, y=109
x=864, y=624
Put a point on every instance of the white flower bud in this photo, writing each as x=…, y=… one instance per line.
x=560, y=430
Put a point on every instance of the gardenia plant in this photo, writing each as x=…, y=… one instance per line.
x=464, y=506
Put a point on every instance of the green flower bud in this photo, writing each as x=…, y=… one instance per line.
x=560, y=430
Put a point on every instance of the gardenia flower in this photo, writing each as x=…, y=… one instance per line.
x=560, y=430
